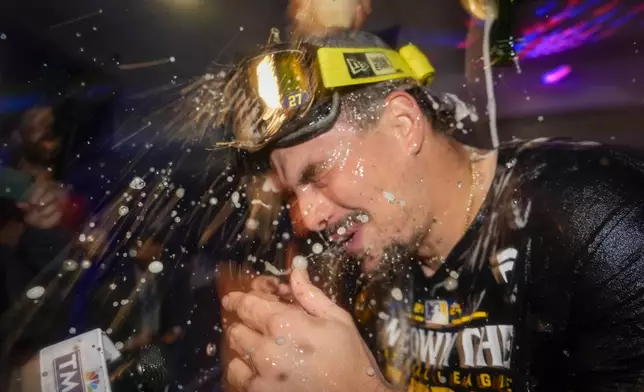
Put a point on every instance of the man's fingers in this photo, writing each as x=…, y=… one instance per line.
x=239, y=374
x=265, y=284
x=48, y=209
x=263, y=384
x=285, y=292
x=23, y=205
x=244, y=341
x=40, y=221
x=45, y=210
x=247, y=344
x=273, y=286
x=254, y=311
x=47, y=199
x=37, y=192
x=265, y=296
x=51, y=221
x=313, y=300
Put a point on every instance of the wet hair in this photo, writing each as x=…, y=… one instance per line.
x=363, y=106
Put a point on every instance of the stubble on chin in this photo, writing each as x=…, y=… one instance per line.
x=368, y=269
x=390, y=262
x=369, y=263
x=393, y=262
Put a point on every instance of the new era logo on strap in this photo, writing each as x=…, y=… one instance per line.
x=358, y=65
x=380, y=63
x=364, y=65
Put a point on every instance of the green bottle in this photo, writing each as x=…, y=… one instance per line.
x=503, y=37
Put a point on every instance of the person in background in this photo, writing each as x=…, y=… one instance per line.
x=33, y=232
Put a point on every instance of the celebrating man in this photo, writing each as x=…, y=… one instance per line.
x=515, y=269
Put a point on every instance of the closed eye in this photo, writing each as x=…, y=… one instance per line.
x=311, y=174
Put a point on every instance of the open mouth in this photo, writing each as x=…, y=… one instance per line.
x=344, y=236
x=347, y=235
x=342, y=240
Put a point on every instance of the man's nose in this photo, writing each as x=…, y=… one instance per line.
x=314, y=209
x=299, y=227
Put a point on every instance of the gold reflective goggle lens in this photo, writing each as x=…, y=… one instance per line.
x=265, y=92
x=287, y=94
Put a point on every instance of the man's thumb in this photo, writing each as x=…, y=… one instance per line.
x=311, y=298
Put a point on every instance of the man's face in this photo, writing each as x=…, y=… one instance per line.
x=360, y=187
x=40, y=145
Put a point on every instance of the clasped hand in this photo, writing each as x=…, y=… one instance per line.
x=44, y=209
x=309, y=345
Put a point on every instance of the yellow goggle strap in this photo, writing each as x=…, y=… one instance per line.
x=342, y=67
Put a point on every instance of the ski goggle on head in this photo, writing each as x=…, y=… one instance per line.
x=291, y=93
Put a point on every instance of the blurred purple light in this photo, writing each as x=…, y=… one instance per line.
x=568, y=24
x=556, y=75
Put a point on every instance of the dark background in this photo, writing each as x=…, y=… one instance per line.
x=56, y=49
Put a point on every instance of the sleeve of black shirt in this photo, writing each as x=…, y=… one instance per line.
x=588, y=276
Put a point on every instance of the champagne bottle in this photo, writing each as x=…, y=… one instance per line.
x=503, y=38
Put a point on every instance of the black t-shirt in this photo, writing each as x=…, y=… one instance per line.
x=545, y=291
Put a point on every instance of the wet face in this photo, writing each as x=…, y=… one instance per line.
x=362, y=187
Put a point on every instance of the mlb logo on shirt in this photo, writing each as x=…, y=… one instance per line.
x=437, y=312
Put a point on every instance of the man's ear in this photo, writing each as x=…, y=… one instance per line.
x=406, y=119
